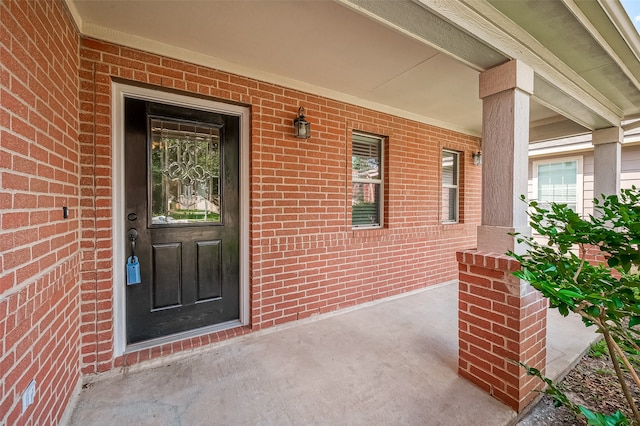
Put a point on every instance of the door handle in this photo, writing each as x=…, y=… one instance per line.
x=133, y=267
x=132, y=234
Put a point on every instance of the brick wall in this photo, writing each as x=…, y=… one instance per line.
x=39, y=174
x=304, y=257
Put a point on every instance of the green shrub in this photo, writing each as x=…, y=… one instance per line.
x=604, y=295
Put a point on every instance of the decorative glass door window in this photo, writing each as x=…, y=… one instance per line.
x=185, y=170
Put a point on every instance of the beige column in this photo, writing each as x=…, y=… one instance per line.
x=505, y=92
x=607, y=144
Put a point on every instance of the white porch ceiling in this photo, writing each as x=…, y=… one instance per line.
x=416, y=59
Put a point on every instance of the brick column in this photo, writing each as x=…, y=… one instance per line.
x=500, y=319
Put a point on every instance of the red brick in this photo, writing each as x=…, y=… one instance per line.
x=486, y=272
x=474, y=280
x=487, y=314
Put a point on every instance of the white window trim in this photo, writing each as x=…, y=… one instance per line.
x=579, y=178
x=377, y=181
x=456, y=186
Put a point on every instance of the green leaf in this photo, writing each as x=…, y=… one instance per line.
x=592, y=311
x=617, y=302
x=599, y=419
x=563, y=309
x=570, y=293
x=619, y=418
x=633, y=321
x=592, y=418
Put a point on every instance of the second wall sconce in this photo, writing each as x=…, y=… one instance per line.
x=477, y=158
x=301, y=127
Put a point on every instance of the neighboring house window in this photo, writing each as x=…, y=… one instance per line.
x=366, y=176
x=450, y=189
x=558, y=181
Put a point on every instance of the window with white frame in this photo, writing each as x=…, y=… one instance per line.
x=367, y=162
x=558, y=181
x=450, y=188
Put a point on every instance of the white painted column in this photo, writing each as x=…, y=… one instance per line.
x=607, y=146
x=505, y=92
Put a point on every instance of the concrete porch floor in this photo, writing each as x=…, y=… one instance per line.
x=387, y=363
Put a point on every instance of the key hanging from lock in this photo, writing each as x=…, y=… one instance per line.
x=133, y=271
x=133, y=265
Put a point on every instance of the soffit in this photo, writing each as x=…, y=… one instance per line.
x=318, y=46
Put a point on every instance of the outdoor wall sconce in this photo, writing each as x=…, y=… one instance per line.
x=301, y=127
x=477, y=158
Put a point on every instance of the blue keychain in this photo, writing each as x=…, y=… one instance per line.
x=133, y=270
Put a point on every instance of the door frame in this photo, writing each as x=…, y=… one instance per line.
x=119, y=92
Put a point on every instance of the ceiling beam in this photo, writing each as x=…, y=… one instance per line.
x=544, y=130
x=631, y=126
x=415, y=21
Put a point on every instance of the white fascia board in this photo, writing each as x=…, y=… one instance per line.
x=623, y=24
x=565, y=149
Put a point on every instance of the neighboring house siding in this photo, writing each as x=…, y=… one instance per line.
x=630, y=172
x=39, y=249
x=630, y=167
x=304, y=257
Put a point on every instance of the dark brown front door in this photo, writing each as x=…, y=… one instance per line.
x=182, y=200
